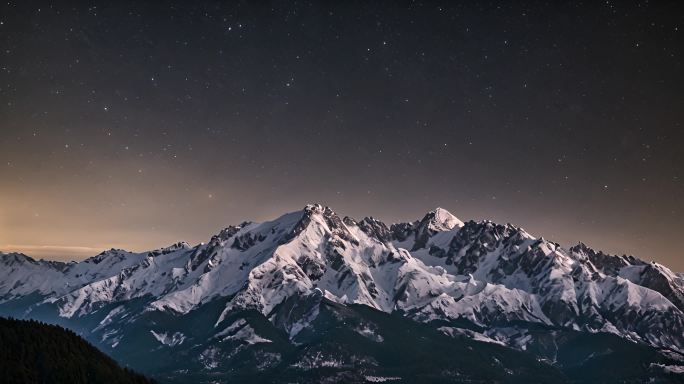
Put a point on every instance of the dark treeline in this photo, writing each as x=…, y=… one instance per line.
x=35, y=352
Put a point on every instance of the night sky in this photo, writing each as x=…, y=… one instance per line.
x=136, y=125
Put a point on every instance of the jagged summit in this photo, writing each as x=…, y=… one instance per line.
x=10, y=257
x=113, y=252
x=18, y=258
x=181, y=245
x=442, y=220
x=315, y=207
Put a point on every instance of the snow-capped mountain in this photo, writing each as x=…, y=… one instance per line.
x=482, y=281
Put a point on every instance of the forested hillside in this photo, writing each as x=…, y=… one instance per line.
x=35, y=352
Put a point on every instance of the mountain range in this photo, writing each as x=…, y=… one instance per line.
x=316, y=297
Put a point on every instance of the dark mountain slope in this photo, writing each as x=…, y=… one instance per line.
x=34, y=352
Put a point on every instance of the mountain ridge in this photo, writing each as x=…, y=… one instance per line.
x=496, y=282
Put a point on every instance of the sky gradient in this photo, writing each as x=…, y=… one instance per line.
x=134, y=126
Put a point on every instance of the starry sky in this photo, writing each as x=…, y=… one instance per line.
x=135, y=124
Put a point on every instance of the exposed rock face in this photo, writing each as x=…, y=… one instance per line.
x=375, y=229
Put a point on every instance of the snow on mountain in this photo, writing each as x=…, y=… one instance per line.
x=21, y=275
x=169, y=340
x=436, y=268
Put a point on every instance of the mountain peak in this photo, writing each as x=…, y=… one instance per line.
x=439, y=219
x=315, y=208
x=171, y=248
x=113, y=252
x=435, y=221
x=15, y=257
